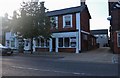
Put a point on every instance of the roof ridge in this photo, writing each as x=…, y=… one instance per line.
x=66, y=10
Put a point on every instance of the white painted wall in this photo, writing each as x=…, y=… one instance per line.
x=77, y=20
x=64, y=34
x=102, y=40
x=50, y=45
x=27, y=44
x=56, y=45
x=9, y=36
x=78, y=26
x=34, y=45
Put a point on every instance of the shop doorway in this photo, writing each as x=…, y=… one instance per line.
x=53, y=44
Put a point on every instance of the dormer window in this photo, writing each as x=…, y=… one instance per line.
x=54, y=22
x=67, y=21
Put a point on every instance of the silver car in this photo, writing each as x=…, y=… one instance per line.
x=5, y=50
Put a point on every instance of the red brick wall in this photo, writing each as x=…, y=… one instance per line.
x=85, y=24
x=84, y=43
x=110, y=3
x=42, y=49
x=74, y=21
x=60, y=24
x=87, y=44
x=69, y=50
x=94, y=43
x=116, y=48
x=115, y=20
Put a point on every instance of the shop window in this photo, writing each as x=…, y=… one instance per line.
x=12, y=43
x=66, y=42
x=42, y=42
x=8, y=42
x=27, y=42
x=12, y=34
x=60, y=42
x=47, y=43
x=73, y=41
x=37, y=42
x=118, y=39
x=67, y=21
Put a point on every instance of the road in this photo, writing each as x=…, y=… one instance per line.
x=48, y=66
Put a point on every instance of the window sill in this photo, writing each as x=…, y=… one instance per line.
x=67, y=26
x=66, y=47
x=40, y=47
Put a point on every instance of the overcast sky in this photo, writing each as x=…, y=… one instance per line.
x=97, y=8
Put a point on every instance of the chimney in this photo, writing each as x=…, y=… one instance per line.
x=35, y=1
x=82, y=2
x=42, y=6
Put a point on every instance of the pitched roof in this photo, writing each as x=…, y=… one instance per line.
x=66, y=10
x=113, y=5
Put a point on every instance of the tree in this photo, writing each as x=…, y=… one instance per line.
x=32, y=22
x=5, y=26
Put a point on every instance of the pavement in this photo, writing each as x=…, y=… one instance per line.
x=100, y=55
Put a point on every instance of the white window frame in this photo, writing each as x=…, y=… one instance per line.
x=64, y=25
x=68, y=42
x=59, y=42
x=45, y=43
x=56, y=22
x=72, y=41
x=64, y=43
x=118, y=36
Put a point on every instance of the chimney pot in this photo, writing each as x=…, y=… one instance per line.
x=82, y=2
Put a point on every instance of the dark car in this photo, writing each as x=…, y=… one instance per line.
x=5, y=50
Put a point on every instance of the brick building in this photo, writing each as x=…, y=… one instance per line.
x=114, y=13
x=70, y=31
x=0, y=29
x=101, y=37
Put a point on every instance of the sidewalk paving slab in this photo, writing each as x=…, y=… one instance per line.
x=100, y=55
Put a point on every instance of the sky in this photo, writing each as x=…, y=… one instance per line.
x=97, y=8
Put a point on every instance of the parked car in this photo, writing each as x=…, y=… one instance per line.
x=5, y=50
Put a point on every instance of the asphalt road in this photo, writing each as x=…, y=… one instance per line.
x=48, y=66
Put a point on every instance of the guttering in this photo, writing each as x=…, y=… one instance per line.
x=85, y=32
